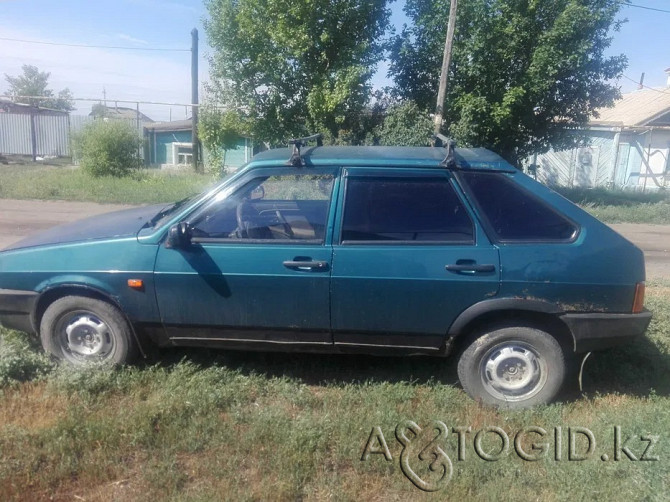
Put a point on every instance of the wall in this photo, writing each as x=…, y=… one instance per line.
x=161, y=149
x=643, y=159
x=162, y=145
x=236, y=158
x=633, y=163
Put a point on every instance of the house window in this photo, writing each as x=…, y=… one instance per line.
x=182, y=153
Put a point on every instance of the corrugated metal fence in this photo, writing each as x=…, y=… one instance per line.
x=53, y=133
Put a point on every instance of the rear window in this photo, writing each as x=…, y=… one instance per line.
x=408, y=210
x=514, y=214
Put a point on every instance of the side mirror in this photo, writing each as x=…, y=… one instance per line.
x=179, y=236
x=257, y=193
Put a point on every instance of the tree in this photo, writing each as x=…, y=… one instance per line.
x=219, y=130
x=406, y=125
x=524, y=73
x=296, y=67
x=35, y=83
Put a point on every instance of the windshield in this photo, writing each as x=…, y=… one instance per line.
x=166, y=213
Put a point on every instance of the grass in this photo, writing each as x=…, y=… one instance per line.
x=30, y=181
x=204, y=425
x=621, y=206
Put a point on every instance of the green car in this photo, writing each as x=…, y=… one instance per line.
x=375, y=250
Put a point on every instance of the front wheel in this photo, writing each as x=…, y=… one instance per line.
x=513, y=367
x=82, y=330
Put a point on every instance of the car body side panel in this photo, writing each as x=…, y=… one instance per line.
x=405, y=290
x=234, y=286
x=597, y=272
x=105, y=266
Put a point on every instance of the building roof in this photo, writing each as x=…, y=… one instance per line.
x=9, y=106
x=175, y=125
x=386, y=156
x=639, y=108
x=118, y=112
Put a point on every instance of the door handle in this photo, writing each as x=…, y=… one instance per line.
x=319, y=266
x=470, y=267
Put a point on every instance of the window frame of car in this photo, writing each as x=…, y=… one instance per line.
x=488, y=227
x=239, y=183
x=411, y=173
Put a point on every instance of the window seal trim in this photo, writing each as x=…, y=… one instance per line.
x=492, y=234
x=406, y=243
x=235, y=241
x=347, y=175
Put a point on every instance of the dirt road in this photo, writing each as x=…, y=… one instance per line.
x=19, y=218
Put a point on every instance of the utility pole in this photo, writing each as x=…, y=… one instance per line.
x=194, y=98
x=446, y=59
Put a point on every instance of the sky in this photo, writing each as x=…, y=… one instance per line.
x=164, y=76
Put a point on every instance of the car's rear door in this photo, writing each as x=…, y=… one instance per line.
x=408, y=257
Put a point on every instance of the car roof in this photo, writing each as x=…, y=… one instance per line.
x=386, y=156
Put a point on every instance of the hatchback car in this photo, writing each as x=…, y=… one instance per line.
x=376, y=250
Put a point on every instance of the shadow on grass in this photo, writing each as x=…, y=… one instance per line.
x=320, y=369
x=637, y=369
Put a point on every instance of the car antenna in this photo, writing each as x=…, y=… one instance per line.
x=298, y=143
x=440, y=140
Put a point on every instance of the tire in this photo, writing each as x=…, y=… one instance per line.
x=81, y=331
x=512, y=367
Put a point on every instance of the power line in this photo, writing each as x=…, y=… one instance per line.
x=132, y=101
x=646, y=8
x=645, y=86
x=96, y=46
x=125, y=101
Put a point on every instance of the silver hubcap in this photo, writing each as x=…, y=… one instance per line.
x=85, y=337
x=513, y=371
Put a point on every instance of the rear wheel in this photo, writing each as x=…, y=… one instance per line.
x=83, y=330
x=513, y=367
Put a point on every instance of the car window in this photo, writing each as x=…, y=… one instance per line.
x=514, y=214
x=404, y=210
x=290, y=207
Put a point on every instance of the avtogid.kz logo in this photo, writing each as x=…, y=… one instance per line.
x=424, y=461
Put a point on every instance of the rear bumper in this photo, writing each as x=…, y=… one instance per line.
x=600, y=331
x=16, y=308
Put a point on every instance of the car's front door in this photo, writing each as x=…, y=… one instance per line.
x=258, y=269
x=408, y=258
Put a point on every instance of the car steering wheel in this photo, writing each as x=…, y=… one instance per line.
x=246, y=214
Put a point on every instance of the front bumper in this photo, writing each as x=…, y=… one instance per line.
x=16, y=309
x=601, y=331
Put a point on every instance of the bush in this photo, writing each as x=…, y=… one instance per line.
x=20, y=361
x=108, y=148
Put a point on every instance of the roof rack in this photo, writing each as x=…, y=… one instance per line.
x=296, y=157
x=440, y=140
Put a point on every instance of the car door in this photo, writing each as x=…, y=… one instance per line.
x=258, y=268
x=408, y=257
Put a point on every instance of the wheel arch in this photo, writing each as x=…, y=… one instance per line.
x=532, y=313
x=56, y=292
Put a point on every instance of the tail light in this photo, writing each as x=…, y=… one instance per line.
x=638, y=301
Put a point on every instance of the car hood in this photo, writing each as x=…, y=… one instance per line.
x=122, y=223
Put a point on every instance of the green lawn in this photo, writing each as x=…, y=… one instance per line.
x=206, y=425
x=619, y=206
x=29, y=181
